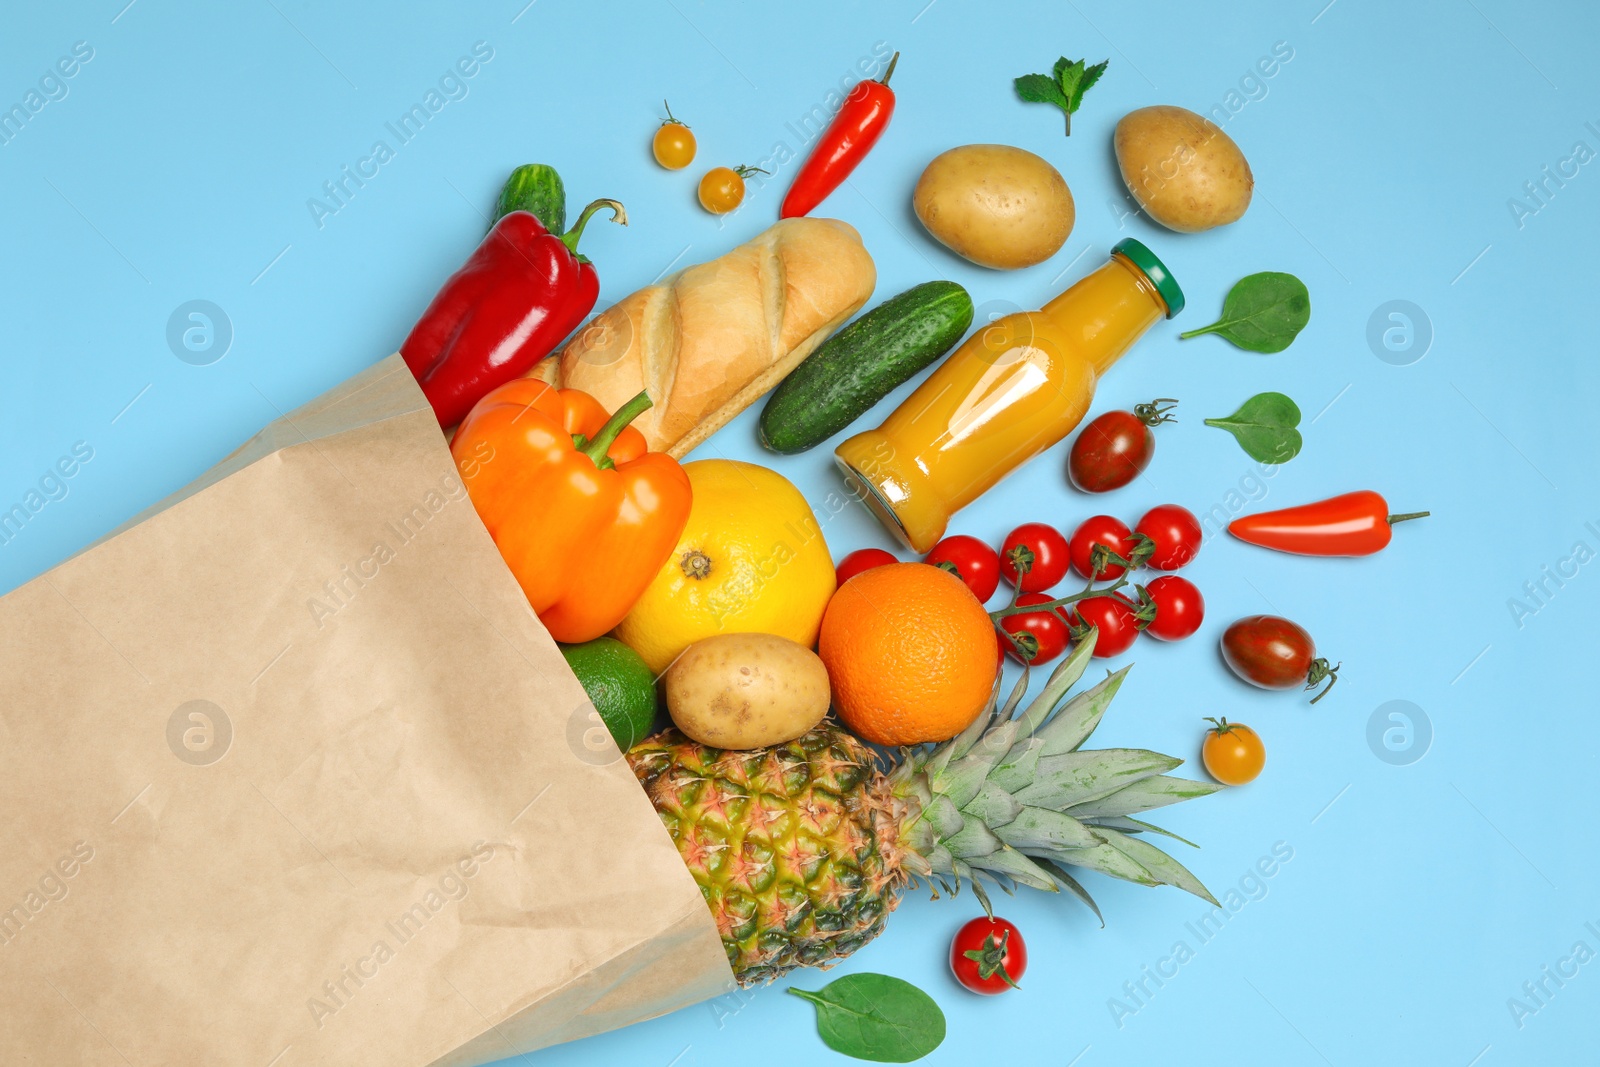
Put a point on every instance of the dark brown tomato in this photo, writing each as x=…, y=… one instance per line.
x=1115, y=447
x=1268, y=651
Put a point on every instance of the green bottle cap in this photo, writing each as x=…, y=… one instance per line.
x=1155, y=270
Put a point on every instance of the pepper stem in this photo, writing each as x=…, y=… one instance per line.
x=1408, y=516
x=597, y=446
x=619, y=215
x=889, y=73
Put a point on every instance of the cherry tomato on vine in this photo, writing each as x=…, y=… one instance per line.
x=971, y=560
x=1180, y=609
x=1034, y=557
x=1114, y=615
x=1232, y=752
x=988, y=955
x=1271, y=652
x=722, y=188
x=862, y=559
x=1038, y=636
x=1116, y=447
x=1102, y=530
x=1175, y=533
x=674, y=143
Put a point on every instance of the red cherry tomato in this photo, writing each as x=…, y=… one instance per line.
x=1041, y=635
x=1274, y=653
x=988, y=955
x=1116, y=447
x=1101, y=530
x=1176, y=534
x=1180, y=609
x=1042, y=549
x=971, y=560
x=1113, y=615
x=862, y=559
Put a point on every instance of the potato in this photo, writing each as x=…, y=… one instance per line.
x=747, y=690
x=996, y=205
x=1182, y=169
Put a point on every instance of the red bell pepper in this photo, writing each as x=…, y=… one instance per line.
x=861, y=120
x=510, y=304
x=1355, y=524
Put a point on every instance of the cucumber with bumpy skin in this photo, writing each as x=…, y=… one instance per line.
x=862, y=363
x=536, y=188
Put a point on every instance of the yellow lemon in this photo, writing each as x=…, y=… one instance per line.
x=751, y=560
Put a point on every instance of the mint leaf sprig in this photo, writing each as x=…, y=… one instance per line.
x=1064, y=86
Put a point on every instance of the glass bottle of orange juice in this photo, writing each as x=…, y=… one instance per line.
x=1017, y=386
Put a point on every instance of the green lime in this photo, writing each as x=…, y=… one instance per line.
x=619, y=685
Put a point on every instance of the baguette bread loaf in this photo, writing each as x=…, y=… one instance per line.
x=707, y=342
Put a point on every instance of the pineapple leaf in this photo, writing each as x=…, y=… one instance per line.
x=972, y=841
x=1150, y=793
x=1075, y=778
x=978, y=891
x=994, y=805
x=1062, y=679
x=1017, y=692
x=944, y=817
x=962, y=743
x=962, y=779
x=1042, y=828
x=1077, y=720
x=1071, y=885
x=1017, y=769
x=1014, y=865
x=1134, y=826
x=1158, y=863
x=1106, y=860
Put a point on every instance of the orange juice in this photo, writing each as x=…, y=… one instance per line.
x=1014, y=388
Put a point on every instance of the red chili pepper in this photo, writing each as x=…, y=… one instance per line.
x=1355, y=524
x=861, y=120
x=510, y=304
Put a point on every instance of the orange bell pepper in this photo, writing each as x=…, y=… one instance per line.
x=583, y=514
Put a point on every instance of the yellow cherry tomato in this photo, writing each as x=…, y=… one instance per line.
x=1233, y=754
x=722, y=188
x=674, y=143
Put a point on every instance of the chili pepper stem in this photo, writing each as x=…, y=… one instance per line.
x=597, y=446
x=1408, y=516
x=889, y=72
x=619, y=215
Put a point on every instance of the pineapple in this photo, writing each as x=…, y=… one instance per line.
x=803, y=849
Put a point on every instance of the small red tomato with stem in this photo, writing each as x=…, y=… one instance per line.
x=1116, y=447
x=1175, y=534
x=988, y=955
x=1036, y=636
x=969, y=559
x=1104, y=549
x=1117, y=619
x=1232, y=752
x=862, y=559
x=1034, y=557
x=1179, y=608
x=1271, y=652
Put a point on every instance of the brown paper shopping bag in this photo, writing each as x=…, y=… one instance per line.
x=292, y=775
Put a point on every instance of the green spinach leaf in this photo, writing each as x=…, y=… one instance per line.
x=876, y=1017
x=1262, y=313
x=1265, y=427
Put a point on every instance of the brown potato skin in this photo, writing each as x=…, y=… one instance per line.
x=996, y=205
x=1182, y=169
x=746, y=690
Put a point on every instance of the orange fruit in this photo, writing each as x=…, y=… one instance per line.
x=910, y=652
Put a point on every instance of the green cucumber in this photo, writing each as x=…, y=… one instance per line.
x=536, y=188
x=862, y=363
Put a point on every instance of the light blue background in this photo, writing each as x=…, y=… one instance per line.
x=1419, y=898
